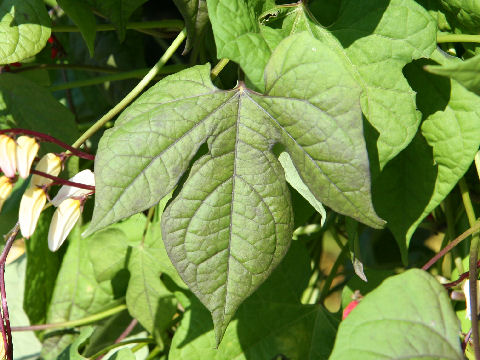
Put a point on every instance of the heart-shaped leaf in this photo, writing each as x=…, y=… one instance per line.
x=409, y=316
x=231, y=222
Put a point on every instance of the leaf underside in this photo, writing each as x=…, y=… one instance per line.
x=231, y=222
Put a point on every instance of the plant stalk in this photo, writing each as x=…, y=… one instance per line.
x=135, y=92
x=473, y=271
x=73, y=323
x=446, y=38
x=160, y=24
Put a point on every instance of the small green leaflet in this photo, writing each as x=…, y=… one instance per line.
x=231, y=222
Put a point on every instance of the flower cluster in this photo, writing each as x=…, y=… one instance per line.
x=17, y=156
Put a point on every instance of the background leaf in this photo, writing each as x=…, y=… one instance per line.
x=196, y=19
x=272, y=322
x=24, y=104
x=415, y=183
x=25, y=28
x=41, y=271
x=408, y=316
x=84, y=18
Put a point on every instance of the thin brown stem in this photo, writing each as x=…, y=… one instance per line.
x=5, y=327
x=451, y=245
x=61, y=181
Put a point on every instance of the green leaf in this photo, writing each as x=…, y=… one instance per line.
x=71, y=353
x=83, y=17
x=418, y=180
x=41, y=272
x=76, y=294
x=292, y=177
x=196, y=19
x=272, y=322
x=148, y=300
x=118, y=12
x=26, y=344
x=231, y=223
x=123, y=354
x=464, y=72
x=408, y=317
x=464, y=13
x=25, y=28
x=109, y=241
x=24, y=104
x=387, y=100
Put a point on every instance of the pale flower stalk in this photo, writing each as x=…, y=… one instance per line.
x=85, y=177
x=8, y=156
x=27, y=149
x=50, y=164
x=63, y=221
x=6, y=188
x=31, y=205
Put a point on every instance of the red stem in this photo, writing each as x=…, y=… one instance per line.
x=45, y=137
x=61, y=181
x=5, y=323
x=460, y=278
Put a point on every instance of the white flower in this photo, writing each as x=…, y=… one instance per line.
x=6, y=188
x=8, y=155
x=50, y=164
x=27, y=149
x=85, y=177
x=64, y=218
x=31, y=205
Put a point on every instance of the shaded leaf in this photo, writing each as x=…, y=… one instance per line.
x=409, y=316
x=231, y=223
x=41, y=272
x=109, y=241
x=272, y=322
x=24, y=104
x=83, y=17
x=148, y=300
x=367, y=40
x=118, y=12
x=464, y=72
x=464, y=13
x=418, y=180
x=76, y=294
x=123, y=354
x=25, y=28
x=195, y=15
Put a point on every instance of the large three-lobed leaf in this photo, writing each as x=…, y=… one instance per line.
x=231, y=222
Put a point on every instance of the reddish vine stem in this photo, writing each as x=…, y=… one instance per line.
x=124, y=334
x=61, y=181
x=460, y=278
x=48, y=138
x=5, y=326
x=450, y=246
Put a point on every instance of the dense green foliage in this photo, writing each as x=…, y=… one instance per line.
x=283, y=163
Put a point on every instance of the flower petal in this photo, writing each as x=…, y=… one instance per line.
x=50, y=164
x=63, y=220
x=27, y=149
x=8, y=155
x=31, y=205
x=85, y=177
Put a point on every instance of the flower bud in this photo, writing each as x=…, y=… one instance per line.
x=27, y=149
x=85, y=177
x=31, y=205
x=8, y=156
x=6, y=187
x=63, y=220
x=50, y=164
